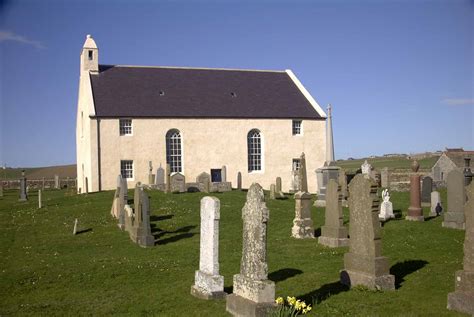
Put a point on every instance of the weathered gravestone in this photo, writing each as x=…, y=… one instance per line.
x=128, y=218
x=208, y=284
x=1, y=188
x=254, y=294
x=435, y=200
x=342, y=181
x=140, y=232
x=151, y=177
x=278, y=192
x=454, y=217
x=385, y=178
x=426, y=189
x=116, y=203
x=123, y=200
x=386, y=207
x=333, y=233
x=23, y=193
x=56, y=182
x=43, y=186
x=224, y=174
x=40, y=203
x=415, y=213
x=302, y=224
x=272, y=191
x=462, y=299
x=177, y=183
x=366, y=169
x=205, y=180
x=239, y=181
x=168, y=178
x=160, y=176
x=364, y=263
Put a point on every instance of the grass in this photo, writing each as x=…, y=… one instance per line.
x=63, y=171
x=390, y=162
x=45, y=270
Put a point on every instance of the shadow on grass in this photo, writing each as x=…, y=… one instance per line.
x=183, y=234
x=84, y=231
x=175, y=238
x=317, y=232
x=398, y=214
x=402, y=269
x=283, y=274
x=431, y=218
x=229, y=289
x=324, y=292
x=163, y=217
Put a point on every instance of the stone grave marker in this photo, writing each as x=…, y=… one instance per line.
x=303, y=223
x=160, y=176
x=385, y=178
x=1, y=188
x=204, y=179
x=151, y=177
x=74, y=230
x=302, y=174
x=56, y=182
x=116, y=204
x=141, y=229
x=272, y=191
x=426, y=189
x=177, y=183
x=208, y=284
x=254, y=294
x=239, y=181
x=364, y=263
x=223, y=174
x=39, y=199
x=435, y=200
x=454, y=216
x=342, y=181
x=278, y=192
x=366, y=168
x=168, y=178
x=386, y=207
x=462, y=299
x=333, y=233
x=23, y=193
x=415, y=213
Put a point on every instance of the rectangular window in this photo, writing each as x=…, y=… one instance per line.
x=297, y=127
x=126, y=169
x=90, y=55
x=296, y=164
x=125, y=126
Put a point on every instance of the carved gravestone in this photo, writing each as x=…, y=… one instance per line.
x=253, y=294
x=426, y=189
x=385, y=178
x=303, y=223
x=141, y=229
x=415, y=212
x=239, y=181
x=364, y=263
x=462, y=299
x=386, y=207
x=342, y=181
x=454, y=217
x=177, y=183
x=23, y=193
x=160, y=176
x=435, y=200
x=278, y=192
x=204, y=179
x=208, y=284
x=128, y=218
x=366, y=169
x=333, y=233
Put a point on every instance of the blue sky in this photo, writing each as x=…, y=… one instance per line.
x=399, y=74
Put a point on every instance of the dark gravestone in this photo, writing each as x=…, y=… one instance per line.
x=426, y=189
x=23, y=194
x=239, y=180
x=454, y=216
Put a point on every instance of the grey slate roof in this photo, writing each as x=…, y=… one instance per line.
x=127, y=91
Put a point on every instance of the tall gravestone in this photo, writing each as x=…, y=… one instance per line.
x=366, y=169
x=462, y=299
x=151, y=177
x=56, y=182
x=415, y=213
x=435, y=200
x=239, y=181
x=364, y=263
x=254, y=294
x=177, y=183
x=40, y=202
x=468, y=175
x=426, y=189
x=160, y=176
x=123, y=199
x=454, y=217
x=1, y=188
x=208, y=284
x=205, y=180
x=333, y=233
x=385, y=178
x=141, y=229
x=272, y=191
x=115, y=210
x=224, y=174
x=342, y=180
x=303, y=223
x=23, y=193
x=168, y=178
x=278, y=192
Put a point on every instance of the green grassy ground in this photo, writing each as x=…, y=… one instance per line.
x=45, y=270
x=390, y=162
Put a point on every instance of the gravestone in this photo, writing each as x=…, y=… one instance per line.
x=278, y=192
x=223, y=174
x=364, y=263
x=177, y=183
x=168, y=178
x=40, y=205
x=160, y=176
x=342, y=181
x=1, y=188
x=462, y=299
x=23, y=193
x=366, y=169
x=43, y=184
x=128, y=218
x=426, y=189
x=302, y=224
x=208, y=284
x=141, y=229
x=239, y=181
x=415, y=213
x=386, y=207
x=468, y=175
x=272, y=191
x=295, y=182
x=151, y=177
x=385, y=178
x=454, y=217
x=333, y=233
x=74, y=230
x=253, y=294
x=435, y=200
x=116, y=203
x=56, y=182
x=204, y=179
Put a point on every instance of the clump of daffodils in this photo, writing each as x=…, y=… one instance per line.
x=291, y=307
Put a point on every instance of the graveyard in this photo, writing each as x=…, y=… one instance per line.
x=99, y=271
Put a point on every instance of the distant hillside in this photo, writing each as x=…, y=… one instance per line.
x=63, y=171
x=396, y=162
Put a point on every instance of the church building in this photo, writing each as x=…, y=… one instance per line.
x=256, y=122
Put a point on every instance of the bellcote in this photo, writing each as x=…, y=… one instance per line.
x=89, y=56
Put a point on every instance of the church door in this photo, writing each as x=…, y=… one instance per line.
x=216, y=176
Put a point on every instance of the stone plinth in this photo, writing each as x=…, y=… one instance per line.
x=454, y=217
x=141, y=229
x=302, y=224
x=323, y=175
x=415, y=213
x=364, y=263
x=462, y=299
x=333, y=233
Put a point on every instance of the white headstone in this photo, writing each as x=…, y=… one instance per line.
x=435, y=200
x=386, y=207
x=366, y=168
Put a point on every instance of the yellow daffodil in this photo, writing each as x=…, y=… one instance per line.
x=279, y=300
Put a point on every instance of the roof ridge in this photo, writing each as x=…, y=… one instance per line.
x=198, y=68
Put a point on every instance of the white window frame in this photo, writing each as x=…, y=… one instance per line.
x=125, y=169
x=297, y=130
x=123, y=130
x=257, y=153
x=174, y=151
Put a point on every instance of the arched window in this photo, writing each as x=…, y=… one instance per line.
x=254, y=150
x=174, y=151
